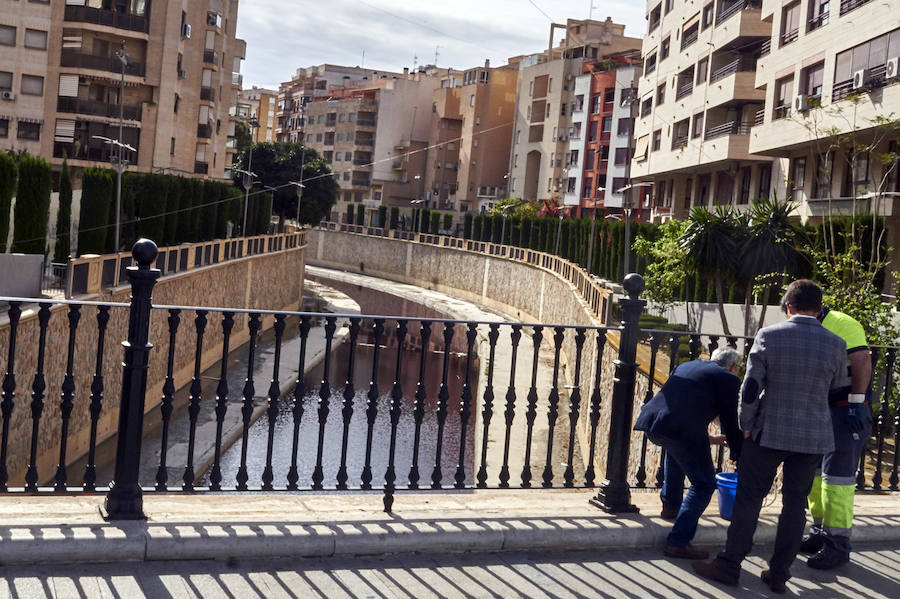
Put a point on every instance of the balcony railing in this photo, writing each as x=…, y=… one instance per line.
x=204, y=131
x=365, y=142
x=759, y=118
x=730, y=128
x=848, y=5
x=101, y=63
x=96, y=108
x=685, y=89
x=238, y=80
x=108, y=18
x=735, y=7
x=689, y=38
x=841, y=90
x=211, y=57
x=741, y=64
x=208, y=94
x=817, y=22
x=360, y=182
x=790, y=36
x=86, y=151
x=781, y=112
x=201, y=168
x=679, y=142
x=765, y=48
x=365, y=122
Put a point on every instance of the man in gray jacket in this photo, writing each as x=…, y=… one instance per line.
x=785, y=417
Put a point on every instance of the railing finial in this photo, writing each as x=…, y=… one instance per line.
x=634, y=285
x=144, y=252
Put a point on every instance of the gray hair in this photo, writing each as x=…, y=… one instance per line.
x=726, y=357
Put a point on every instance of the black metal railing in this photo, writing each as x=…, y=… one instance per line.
x=208, y=94
x=685, y=89
x=690, y=37
x=68, y=58
x=736, y=66
x=790, y=36
x=848, y=5
x=211, y=57
x=79, y=106
x=729, y=128
x=204, y=131
x=727, y=10
x=818, y=21
x=107, y=17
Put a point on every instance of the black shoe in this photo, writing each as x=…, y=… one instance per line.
x=713, y=571
x=812, y=543
x=828, y=559
x=775, y=583
x=686, y=552
x=669, y=513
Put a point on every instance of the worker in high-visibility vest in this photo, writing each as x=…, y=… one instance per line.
x=831, y=499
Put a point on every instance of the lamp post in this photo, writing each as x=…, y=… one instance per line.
x=627, y=208
x=416, y=213
x=559, y=230
x=272, y=191
x=300, y=187
x=253, y=123
x=591, y=239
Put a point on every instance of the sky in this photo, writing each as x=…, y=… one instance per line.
x=283, y=35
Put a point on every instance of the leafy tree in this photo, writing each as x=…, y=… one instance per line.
x=242, y=137
x=63, y=215
x=32, y=205
x=9, y=173
x=277, y=164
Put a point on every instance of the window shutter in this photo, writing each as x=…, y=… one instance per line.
x=68, y=86
x=65, y=130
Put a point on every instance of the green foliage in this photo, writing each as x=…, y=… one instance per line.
x=448, y=221
x=382, y=217
x=435, y=223
x=32, y=205
x=9, y=173
x=63, y=215
x=468, y=221
x=395, y=217
x=424, y=220
x=242, y=137
x=360, y=214
x=477, y=227
x=351, y=213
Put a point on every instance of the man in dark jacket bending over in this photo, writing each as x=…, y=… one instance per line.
x=678, y=418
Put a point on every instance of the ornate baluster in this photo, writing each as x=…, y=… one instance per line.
x=674, y=342
x=299, y=392
x=883, y=415
x=695, y=346
x=419, y=410
x=9, y=389
x=443, y=398
x=531, y=413
x=67, y=395
x=590, y=475
x=641, y=475
x=37, y=398
x=390, y=476
x=324, y=397
x=165, y=407
x=347, y=410
x=574, y=407
x=194, y=403
x=487, y=411
x=215, y=477
x=465, y=410
x=90, y=471
x=553, y=407
x=509, y=413
x=272, y=412
x=372, y=406
x=253, y=325
x=713, y=344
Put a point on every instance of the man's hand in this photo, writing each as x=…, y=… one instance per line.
x=746, y=434
x=718, y=440
x=855, y=414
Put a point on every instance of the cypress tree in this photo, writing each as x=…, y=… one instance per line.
x=395, y=217
x=424, y=220
x=448, y=222
x=360, y=214
x=477, y=226
x=467, y=225
x=9, y=173
x=32, y=205
x=435, y=222
x=173, y=203
x=350, y=214
x=97, y=188
x=63, y=215
x=382, y=217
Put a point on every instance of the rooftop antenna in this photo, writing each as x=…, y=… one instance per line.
x=436, y=54
x=591, y=12
x=363, y=63
x=415, y=63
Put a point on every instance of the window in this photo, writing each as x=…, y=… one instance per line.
x=562, y=109
x=588, y=187
x=5, y=80
x=702, y=68
x=570, y=185
x=592, y=132
x=4, y=127
x=590, y=160
x=690, y=35
x=818, y=14
x=708, y=15
x=647, y=106
x=812, y=79
x=680, y=134
x=798, y=179
x=32, y=85
x=660, y=94
x=609, y=95
x=664, y=49
x=618, y=184
x=29, y=130
x=657, y=140
x=7, y=35
x=573, y=157
x=624, y=126
x=341, y=117
x=784, y=91
x=318, y=137
x=824, y=172
x=744, y=194
x=595, y=104
x=667, y=7
x=604, y=152
x=621, y=156
x=607, y=124
x=860, y=172
x=36, y=39
x=472, y=100
x=338, y=157
x=650, y=64
x=654, y=18
x=790, y=23
x=348, y=156
x=697, y=125
x=172, y=147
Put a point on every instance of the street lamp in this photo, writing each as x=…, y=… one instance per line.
x=593, y=224
x=253, y=123
x=626, y=208
x=300, y=187
x=504, y=213
x=416, y=213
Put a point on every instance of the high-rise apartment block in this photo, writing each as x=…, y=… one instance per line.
x=62, y=78
x=258, y=104
x=542, y=165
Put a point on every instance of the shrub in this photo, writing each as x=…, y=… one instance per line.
x=63, y=215
x=468, y=221
x=448, y=221
x=435, y=222
x=382, y=217
x=97, y=188
x=32, y=205
x=395, y=217
x=424, y=220
x=350, y=213
x=8, y=175
x=360, y=214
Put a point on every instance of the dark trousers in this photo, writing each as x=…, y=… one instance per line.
x=756, y=472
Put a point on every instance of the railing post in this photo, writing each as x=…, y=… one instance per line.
x=124, y=500
x=615, y=495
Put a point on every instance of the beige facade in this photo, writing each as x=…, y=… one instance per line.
x=546, y=84
x=259, y=104
x=179, y=84
x=697, y=101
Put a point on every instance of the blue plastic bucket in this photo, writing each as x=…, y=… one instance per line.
x=726, y=485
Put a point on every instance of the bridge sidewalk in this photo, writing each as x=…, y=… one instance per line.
x=70, y=529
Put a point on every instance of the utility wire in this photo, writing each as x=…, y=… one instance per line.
x=541, y=10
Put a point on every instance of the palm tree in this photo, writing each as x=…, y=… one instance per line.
x=711, y=242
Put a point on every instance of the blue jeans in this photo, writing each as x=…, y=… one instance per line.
x=695, y=462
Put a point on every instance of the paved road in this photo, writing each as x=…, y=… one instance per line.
x=874, y=573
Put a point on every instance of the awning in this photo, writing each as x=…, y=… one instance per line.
x=640, y=150
x=25, y=119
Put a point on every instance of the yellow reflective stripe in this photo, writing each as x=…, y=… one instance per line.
x=817, y=501
x=838, y=506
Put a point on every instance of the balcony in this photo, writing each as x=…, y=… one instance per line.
x=108, y=18
x=365, y=122
x=741, y=65
x=96, y=108
x=204, y=131
x=201, y=168
x=684, y=89
x=848, y=5
x=727, y=10
x=690, y=37
x=679, y=142
x=790, y=36
x=360, y=182
x=110, y=64
x=208, y=94
x=237, y=79
x=730, y=128
x=211, y=57
x=363, y=141
x=816, y=22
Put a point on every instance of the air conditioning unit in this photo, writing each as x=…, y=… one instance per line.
x=563, y=138
x=892, y=68
x=801, y=103
x=186, y=31
x=7, y=95
x=861, y=79
x=569, y=76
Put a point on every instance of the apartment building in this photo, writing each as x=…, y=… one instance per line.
x=833, y=67
x=315, y=82
x=598, y=156
x=698, y=101
x=546, y=94
x=61, y=79
x=259, y=104
x=374, y=138
x=469, y=139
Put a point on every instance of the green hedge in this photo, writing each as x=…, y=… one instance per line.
x=435, y=223
x=395, y=217
x=32, y=205
x=9, y=173
x=63, y=216
x=360, y=214
x=97, y=189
